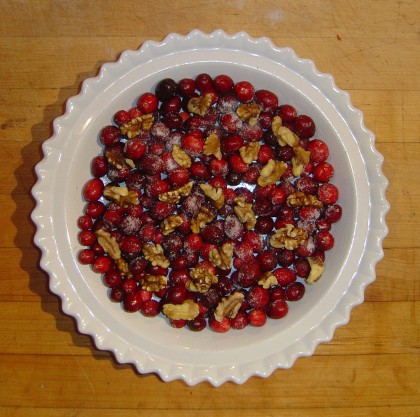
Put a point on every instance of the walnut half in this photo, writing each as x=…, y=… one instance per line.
x=203, y=217
x=249, y=112
x=229, y=307
x=121, y=196
x=173, y=196
x=153, y=283
x=249, y=153
x=222, y=257
x=200, y=105
x=188, y=310
x=201, y=280
x=288, y=237
x=271, y=172
x=317, y=268
x=216, y=195
x=283, y=134
x=212, y=146
x=154, y=254
x=245, y=213
x=299, y=199
x=170, y=223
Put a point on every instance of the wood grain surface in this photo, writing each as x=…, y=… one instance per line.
x=370, y=368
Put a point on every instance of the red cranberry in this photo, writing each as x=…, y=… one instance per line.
x=166, y=89
x=173, y=120
x=278, y=309
x=244, y=91
x=328, y=193
x=251, y=176
x=267, y=260
x=121, y=117
x=203, y=82
x=258, y=297
x=266, y=99
x=219, y=326
x=333, y=213
x=231, y=122
x=85, y=222
x=304, y=126
x=249, y=273
x=324, y=240
x=294, y=291
x=200, y=171
x=266, y=153
x=102, y=264
x=287, y=113
x=223, y=84
x=179, y=277
x=257, y=317
x=148, y=103
x=179, y=176
x=176, y=295
x=219, y=167
x=151, y=164
x=117, y=294
x=264, y=224
x=285, y=257
x=197, y=324
x=132, y=302
x=284, y=276
x=95, y=209
x=319, y=150
x=110, y=135
x=302, y=267
x=92, y=191
x=131, y=244
x=192, y=144
x=86, y=238
x=86, y=256
x=212, y=234
x=172, y=105
x=99, y=166
x=150, y=308
x=237, y=164
x=186, y=87
x=135, y=148
x=240, y=321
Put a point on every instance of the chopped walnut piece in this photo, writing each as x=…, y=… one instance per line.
x=118, y=161
x=299, y=199
x=271, y=172
x=154, y=254
x=216, y=195
x=283, y=134
x=109, y=244
x=268, y=280
x=188, y=310
x=249, y=153
x=317, y=268
x=229, y=307
x=170, y=223
x=244, y=213
x=121, y=196
x=136, y=125
x=181, y=157
x=200, y=105
x=203, y=217
x=201, y=279
x=212, y=146
x=299, y=161
x=222, y=257
x=153, y=283
x=249, y=112
x=288, y=237
x=174, y=196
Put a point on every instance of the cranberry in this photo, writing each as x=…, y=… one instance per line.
x=110, y=135
x=179, y=277
x=231, y=122
x=193, y=144
x=200, y=171
x=265, y=153
x=179, y=176
x=294, y=291
x=197, y=324
x=324, y=240
x=258, y=297
x=223, y=84
x=257, y=317
x=240, y=321
x=264, y=224
x=117, y=294
x=150, y=308
x=99, y=166
x=86, y=256
x=328, y=193
x=237, y=164
x=166, y=89
x=102, y=264
x=266, y=99
x=249, y=273
x=244, y=91
x=85, y=222
x=302, y=267
x=277, y=309
x=203, y=82
x=211, y=298
x=219, y=167
x=267, y=260
x=135, y=148
x=95, y=209
x=212, y=234
x=173, y=120
x=177, y=295
x=306, y=185
x=276, y=293
x=186, y=87
x=148, y=103
x=285, y=257
x=304, y=126
x=219, y=326
x=86, y=238
x=319, y=150
x=131, y=244
x=151, y=164
x=92, y=191
x=333, y=213
x=172, y=105
x=287, y=113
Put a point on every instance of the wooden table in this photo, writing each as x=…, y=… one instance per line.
x=370, y=368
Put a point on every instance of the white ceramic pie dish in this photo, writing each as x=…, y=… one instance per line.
x=150, y=344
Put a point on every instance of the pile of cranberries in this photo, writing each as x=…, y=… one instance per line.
x=142, y=161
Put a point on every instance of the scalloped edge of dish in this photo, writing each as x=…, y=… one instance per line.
x=324, y=331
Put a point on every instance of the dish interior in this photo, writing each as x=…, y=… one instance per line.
x=207, y=347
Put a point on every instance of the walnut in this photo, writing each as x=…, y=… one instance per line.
x=288, y=237
x=170, y=224
x=181, y=157
x=109, y=244
x=249, y=153
x=118, y=161
x=136, y=125
x=268, y=280
x=283, y=134
x=188, y=310
x=299, y=199
x=222, y=257
x=203, y=217
x=200, y=105
x=153, y=283
x=212, y=146
x=154, y=254
x=121, y=196
x=317, y=268
x=174, y=196
x=216, y=195
x=249, y=112
x=299, y=161
x=271, y=172
x=229, y=307
x=244, y=213
x=201, y=279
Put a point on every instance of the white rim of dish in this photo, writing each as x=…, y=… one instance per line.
x=158, y=361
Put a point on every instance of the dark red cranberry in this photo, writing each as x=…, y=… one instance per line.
x=257, y=317
x=211, y=298
x=302, y=267
x=306, y=185
x=333, y=213
x=86, y=238
x=151, y=164
x=285, y=153
x=179, y=277
x=110, y=135
x=223, y=84
x=251, y=176
x=212, y=234
x=287, y=113
x=304, y=126
x=267, y=260
x=86, y=256
x=266, y=99
x=249, y=273
x=277, y=309
x=131, y=244
x=197, y=324
x=166, y=89
x=150, y=308
x=173, y=105
x=264, y=224
x=258, y=297
x=99, y=166
x=203, y=82
x=102, y=264
x=186, y=87
x=285, y=257
x=324, y=240
x=244, y=91
x=117, y=294
x=173, y=120
x=240, y=321
x=95, y=209
x=200, y=171
x=148, y=103
x=224, y=286
x=92, y=191
x=132, y=302
x=294, y=291
x=177, y=294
